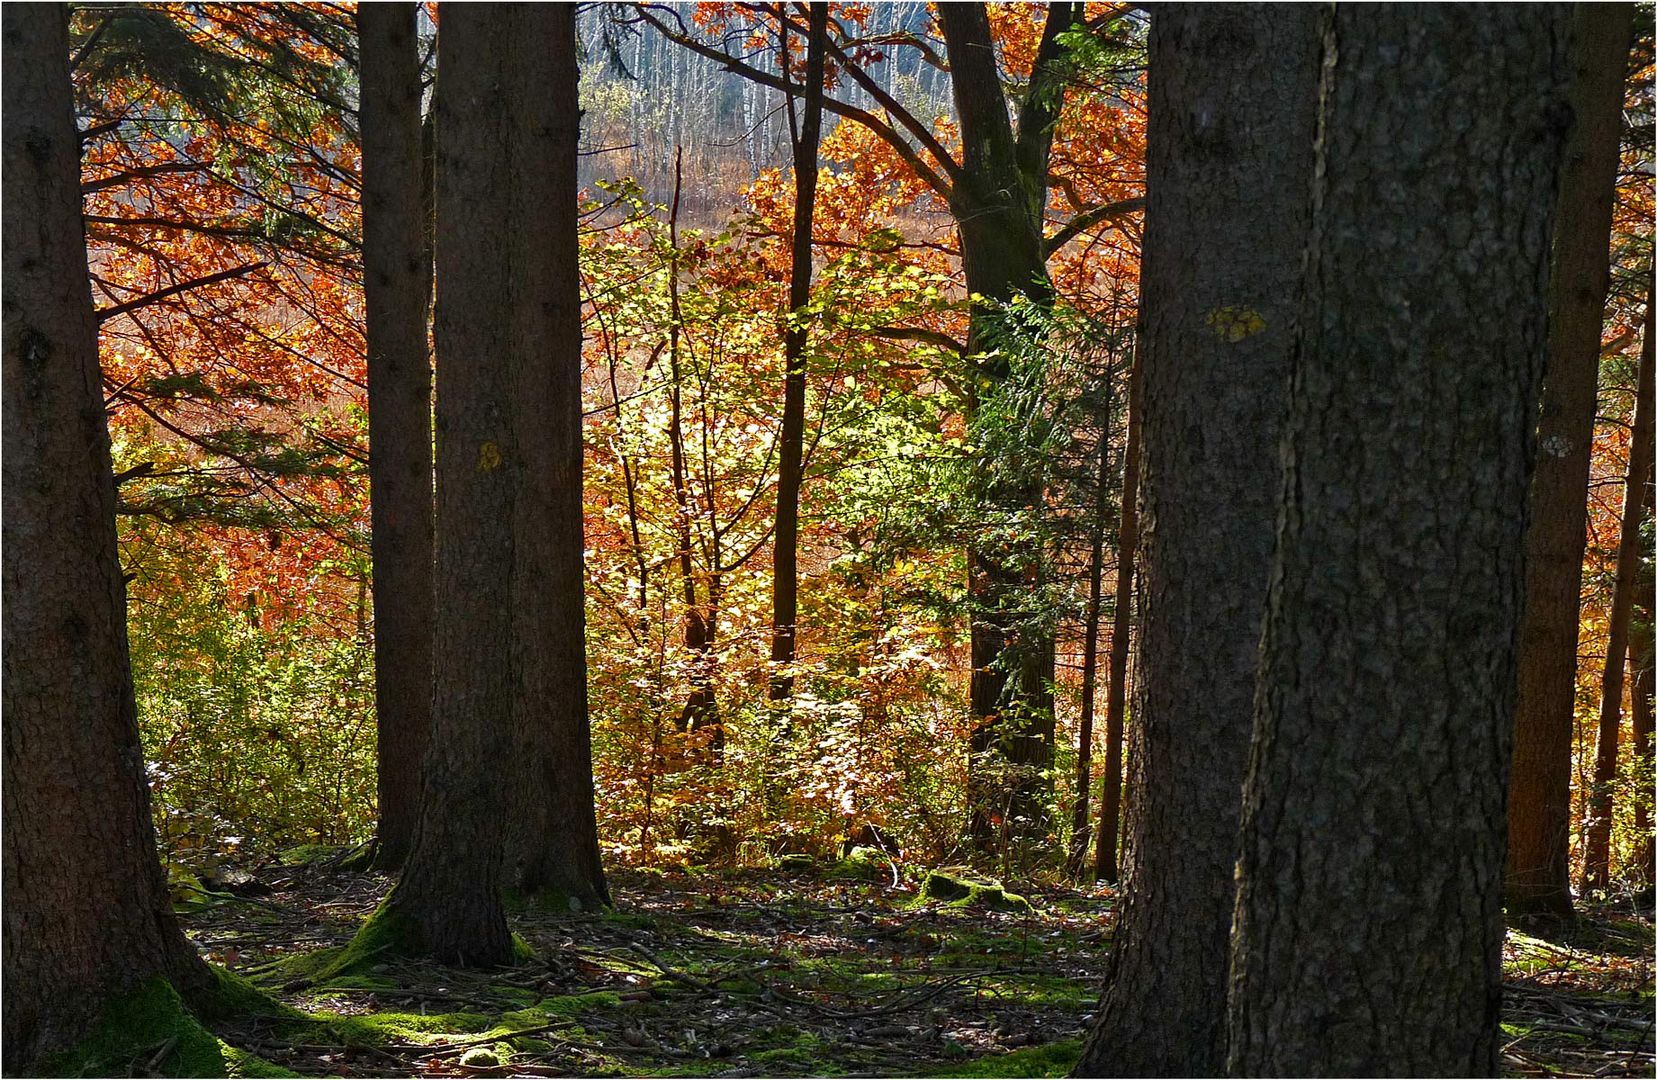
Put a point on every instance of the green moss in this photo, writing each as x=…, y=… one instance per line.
x=863, y=864
x=959, y=887
x=229, y=995
x=240, y=1063
x=384, y=934
x=359, y=860
x=480, y=1057
x=308, y=854
x=531, y=1045
x=377, y=1029
x=149, y=1028
x=786, y=1044
x=1054, y=1059
x=577, y=1004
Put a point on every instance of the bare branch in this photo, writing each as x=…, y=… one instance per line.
x=1088, y=218
x=105, y=314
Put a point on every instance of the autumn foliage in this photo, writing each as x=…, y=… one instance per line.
x=221, y=182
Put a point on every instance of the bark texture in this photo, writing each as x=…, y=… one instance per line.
x=1232, y=107
x=1596, y=848
x=1368, y=926
x=87, y=916
x=1539, y=805
x=448, y=902
x=554, y=837
x=397, y=281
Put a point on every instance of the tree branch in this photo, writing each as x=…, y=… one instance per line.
x=105, y=314
x=1087, y=219
x=885, y=131
x=893, y=107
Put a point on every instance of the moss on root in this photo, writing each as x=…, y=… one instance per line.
x=151, y=1030
x=383, y=936
x=958, y=887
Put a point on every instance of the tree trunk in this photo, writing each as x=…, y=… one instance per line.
x=791, y=447
x=396, y=292
x=1232, y=109
x=1077, y=859
x=1596, y=855
x=1539, y=804
x=448, y=901
x=1368, y=923
x=553, y=840
x=1127, y=553
x=997, y=202
x=87, y=916
x=1641, y=659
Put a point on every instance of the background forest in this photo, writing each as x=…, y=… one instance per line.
x=877, y=447
x=222, y=180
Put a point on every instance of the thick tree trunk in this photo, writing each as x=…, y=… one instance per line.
x=1596, y=855
x=1127, y=555
x=397, y=291
x=997, y=203
x=553, y=840
x=1232, y=108
x=791, y=447
x=1539, y=804
x=448, y=902
x=87, y=916
x=1368, y=926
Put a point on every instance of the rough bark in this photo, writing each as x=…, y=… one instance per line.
x=554, y=836
x=1596, y=854
x=1368, y=925
x=791, y=446
x=448, y=901
x=396, y=292
x=1127, y=555
x=87, y=916
x=1539, y=805
x=1232, y=107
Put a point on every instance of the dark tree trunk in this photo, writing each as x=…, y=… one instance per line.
x=1368, y=923
x=1641, y=659
x=1127, y=554
x=1596, y=855
x=1539, y=803
x=87, y=916
x=998, y=199
x=553, y=839
x=448, y=901
x=397, y=291
x=1077, y=861
x=791, y=447
x=1232, y=111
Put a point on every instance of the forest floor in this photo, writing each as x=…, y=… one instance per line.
x=825, y=971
